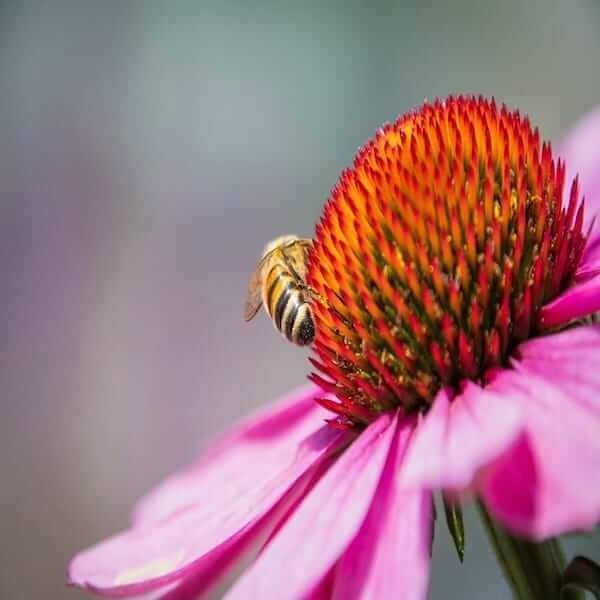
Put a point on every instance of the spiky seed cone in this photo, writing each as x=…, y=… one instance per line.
x=434, y=254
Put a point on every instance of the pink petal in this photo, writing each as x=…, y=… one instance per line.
x=547, y=484
x=295, y=562
x=207, y=537
x=324, y=590
x=580, y=300
x=575, y=375
x=389, y=558
x=590, y=261
x=456, y=439
x=247, y=456
x=211, y=578
x=581, y=152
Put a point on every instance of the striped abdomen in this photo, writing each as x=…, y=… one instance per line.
x=284, y=301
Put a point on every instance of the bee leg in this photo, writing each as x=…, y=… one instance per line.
x=312, y=294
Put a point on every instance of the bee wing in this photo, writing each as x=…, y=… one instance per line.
x=254, y=294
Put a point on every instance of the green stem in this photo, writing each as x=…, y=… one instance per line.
x=533, y=569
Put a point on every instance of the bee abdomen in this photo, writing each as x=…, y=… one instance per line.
x=300, y=327
x=290, y=313
x=295, y=319
x=275, y=288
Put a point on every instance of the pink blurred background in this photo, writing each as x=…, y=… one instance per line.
x=147, y=152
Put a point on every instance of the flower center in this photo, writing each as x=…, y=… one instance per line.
x=434, y=254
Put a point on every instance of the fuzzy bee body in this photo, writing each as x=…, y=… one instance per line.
x=278, y=284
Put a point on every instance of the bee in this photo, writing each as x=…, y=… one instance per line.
x=278, y=283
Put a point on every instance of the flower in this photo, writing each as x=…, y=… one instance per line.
x=452, y=269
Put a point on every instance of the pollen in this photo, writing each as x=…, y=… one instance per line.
x=434, y=254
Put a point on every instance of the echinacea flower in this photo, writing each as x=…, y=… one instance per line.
x=453, y=269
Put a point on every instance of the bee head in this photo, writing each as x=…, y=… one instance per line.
x=279, y=241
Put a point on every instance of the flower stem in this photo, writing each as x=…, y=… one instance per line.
x=533, y=569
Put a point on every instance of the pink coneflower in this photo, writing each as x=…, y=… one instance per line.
x=452, y=269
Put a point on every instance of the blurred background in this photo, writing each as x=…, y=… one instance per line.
x=147, y=152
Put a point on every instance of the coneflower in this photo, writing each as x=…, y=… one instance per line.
x=453, y=269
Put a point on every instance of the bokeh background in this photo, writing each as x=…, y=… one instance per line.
x=147, y=152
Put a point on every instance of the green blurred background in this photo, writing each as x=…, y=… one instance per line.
x=147, y=152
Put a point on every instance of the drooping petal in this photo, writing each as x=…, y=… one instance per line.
x=580, y=300
x=207, y=537
x=211, y=577
x=547, y=484
x=246, y=457
x=547, y=357
x=302, y=553
x=590, y=261
x=581, y=152
x=390, y=556
x=324, y=589
x=457, y=438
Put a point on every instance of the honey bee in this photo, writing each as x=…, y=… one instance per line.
x=278, y=282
